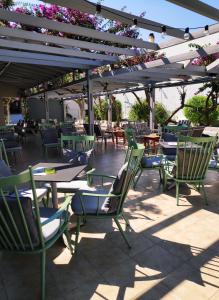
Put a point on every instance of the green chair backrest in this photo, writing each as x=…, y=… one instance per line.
x=130, y=136
x=3, y=153
x=192, y=157
x=77, y=142
x=133, y=160
x=175, y=128
x=20, y=227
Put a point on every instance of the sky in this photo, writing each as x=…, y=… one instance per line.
x=160, y=11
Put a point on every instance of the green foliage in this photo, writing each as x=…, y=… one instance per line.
x=139, y=111
x=199, y=114
x=161, y=114
x=101, y=110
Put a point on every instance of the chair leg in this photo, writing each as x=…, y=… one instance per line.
x=77, y=232
x=121, y=231
x=138, y=177
x=204, y=192
x=43, y=274
x=68, y=237
x=126, y=220
x=177, y=193
x=164, y=181
x=160, y=174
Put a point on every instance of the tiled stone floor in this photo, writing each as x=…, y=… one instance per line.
x=174, y=251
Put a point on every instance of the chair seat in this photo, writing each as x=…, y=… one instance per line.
x=73, y=186
x=49, y=230
x=90, y=203
x=151, y=161
x=40, y=192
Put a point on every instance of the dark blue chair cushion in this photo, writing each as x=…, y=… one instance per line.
x=169, y=137
x=90, y=203
x=77, y=157
x=151, y=161
x=5, y=170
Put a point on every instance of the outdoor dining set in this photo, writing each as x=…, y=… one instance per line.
x=31, y=223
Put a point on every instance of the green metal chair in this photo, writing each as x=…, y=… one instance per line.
x=192, y=160
x=3, y=153
x=77, y=142
x=5, y=170
x=74, y=145
x=100, y=204
x=148, y=162
x=25, y=227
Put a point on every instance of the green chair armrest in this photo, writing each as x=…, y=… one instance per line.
x=99, y=195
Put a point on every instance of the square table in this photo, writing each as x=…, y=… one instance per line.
x=64, y=172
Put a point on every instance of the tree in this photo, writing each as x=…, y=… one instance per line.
x=101, y=109
x=198, y=113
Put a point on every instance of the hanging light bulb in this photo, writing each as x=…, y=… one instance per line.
x=164, y=31
x=98, y=10
x=151, y=38
x=206, y=31
x=135, y=24
x=186, y=34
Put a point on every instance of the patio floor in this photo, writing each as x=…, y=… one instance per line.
x=174, y=251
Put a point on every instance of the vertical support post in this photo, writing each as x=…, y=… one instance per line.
x=109, y=111
x=46, y=103
x=90, y=103
x=152, y=108
x=2, y=113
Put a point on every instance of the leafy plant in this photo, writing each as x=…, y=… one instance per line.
x=161, y=114
x=198, y=111
x=139, y=111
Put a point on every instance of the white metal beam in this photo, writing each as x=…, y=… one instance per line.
x=28, y=35
x=213, y=67
x=23, y=60
x=56, y=58
x=9, y=44
x=73, y=29
x=198, y=7
x=113, y=14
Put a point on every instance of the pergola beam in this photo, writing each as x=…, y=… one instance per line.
x=55, y=58
x=213, y=67
x=23, y=60
x=163, y=61
x=73, y=29
x=39, y=37
x=9, y=44
x=198, y=7
x=113, y=14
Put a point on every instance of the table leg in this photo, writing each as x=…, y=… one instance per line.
x=54, y=195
